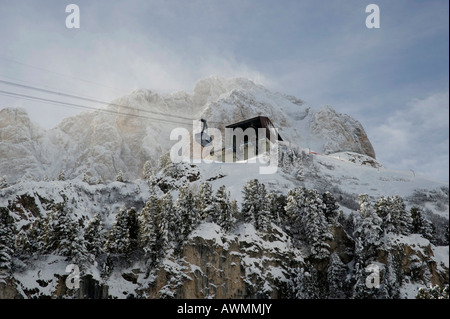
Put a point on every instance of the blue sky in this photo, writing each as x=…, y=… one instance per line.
x=394, y=79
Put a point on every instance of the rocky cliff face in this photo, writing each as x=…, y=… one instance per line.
x=246, y=264
x=136, y=128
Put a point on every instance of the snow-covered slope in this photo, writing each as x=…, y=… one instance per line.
x=136, y=128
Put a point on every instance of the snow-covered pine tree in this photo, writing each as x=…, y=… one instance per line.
x=63, y=236
x=170, y=217
x=147, y=170
x=163, y=229
x=133, y=226
x=186, y=208
x=367, y=232
x=433, y=292
x=150, y=234
x=255, y=205
x=31, y=240
x=164, y=161
x=315, y=225
x=420, y=225
x=3, y=182
x=277, y=203
x=250, y=201
x=391, y=281
x=235, y=210
x=306, y=220
x=95, y=236
x=62, y=175
x=383, y=209
x=118, y=240
x=78, y=253
x=401, y=217
x=295, y=205
x=331, y=210
x=222, y=208
x=100, y=180
x=336, y=277
x=86, y=178
x=58, y=230
x=360, y=289
x=205, y=202
x=304, y=284
x=7, y=240
x=395, y=217
x=119, y=177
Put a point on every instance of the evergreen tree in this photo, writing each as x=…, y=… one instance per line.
x=255, y=205
x=235, y=213
x=433, y=292
x=147, y=171
x=277, y=205
x=78, y=253
x=223, y=211
x=336, y=278
x=62, y=176
x=395, y=217
x=3, y=182
x=316, y=226
x=7, y=239
x=31, y=240
x=163, y=222
x=100, y=180
x=86, y=178
x=119, y=241
x=59, y=230
x=94, y=235
x=300, y=174
x=205, y=202
x=361, y=290
x=306, y=219
x=63, y=236
x=420, y=225
x=186, y=209
x=401, y=217
x=119, y=177
x=133, y=227
x=391, y=281
x=304, y=284
x=164, y=161
x=150, y=231
x=383, y=209
x=367, y=232
x=295, y=206
x=331, y=209
x=170, y=217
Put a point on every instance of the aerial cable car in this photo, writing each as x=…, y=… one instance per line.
x=202, y=138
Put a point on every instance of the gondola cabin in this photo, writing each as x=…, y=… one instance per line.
x=245, y=141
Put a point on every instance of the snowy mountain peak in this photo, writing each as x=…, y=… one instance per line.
x=136, y=128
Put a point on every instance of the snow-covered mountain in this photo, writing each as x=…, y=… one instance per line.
x=102, y=143
x=269, y=254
